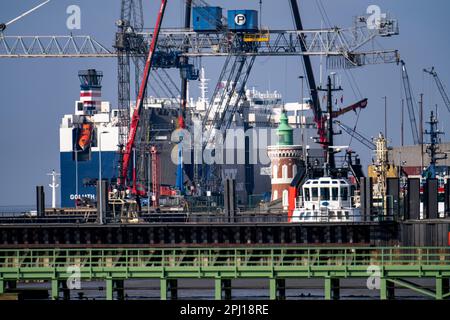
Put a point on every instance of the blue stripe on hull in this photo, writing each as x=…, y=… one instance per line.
x=86, y=170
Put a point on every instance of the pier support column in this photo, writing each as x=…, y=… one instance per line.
x=168, y=289
x=331, y=288
x=172, y=289
x=222, y=289
x=55, y=289
x=11, y=284
x=442, y=287
x=119, y=286
x=277, y=289
x=65, y=290
x=2, y=286
x=387, y=289
x=163, y=289
x=109, y=289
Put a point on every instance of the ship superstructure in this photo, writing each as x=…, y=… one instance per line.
x=91, y=129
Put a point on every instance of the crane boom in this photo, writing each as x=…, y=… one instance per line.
x=4, y=25
x=358, y=105
x=317, y=111
x=440, y=87
x=353, y=133
x=410, y=103
x=140, y=100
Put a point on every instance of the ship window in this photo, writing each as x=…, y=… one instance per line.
x=334, y=182
x=344, y=194
x=324, y=194
x=315, y=194
x=334, y=193
x=307, y=194
x=80, y=106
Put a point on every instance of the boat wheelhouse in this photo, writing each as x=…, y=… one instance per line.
x=326, y=199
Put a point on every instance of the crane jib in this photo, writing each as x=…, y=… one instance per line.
x=136, y=114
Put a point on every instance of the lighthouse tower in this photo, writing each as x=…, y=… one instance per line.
x=285, y=159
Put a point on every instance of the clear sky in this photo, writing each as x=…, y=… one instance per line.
x=36, y=93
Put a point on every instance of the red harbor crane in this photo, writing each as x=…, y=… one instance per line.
x=140, y=100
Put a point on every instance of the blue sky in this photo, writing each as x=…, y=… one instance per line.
x=36, y=93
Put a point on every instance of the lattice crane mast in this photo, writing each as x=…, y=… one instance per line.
x=139, y=102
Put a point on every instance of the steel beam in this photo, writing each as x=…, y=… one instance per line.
x=163, y=288
x=222, y=289
x=331, y=288
x=346, y=45
x=109, y=289
x=386, y=289
x=442, y=287
x=412, y=286
x=55, y=289
x=277, y=289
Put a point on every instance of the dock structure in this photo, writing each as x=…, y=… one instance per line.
x=391, y=267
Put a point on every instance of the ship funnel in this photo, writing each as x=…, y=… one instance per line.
x=90, y=78
x=90, y=93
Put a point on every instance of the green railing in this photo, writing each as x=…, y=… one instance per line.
x=225, y=257
x=392, y=264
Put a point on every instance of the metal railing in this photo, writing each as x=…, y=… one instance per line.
x=182, y=258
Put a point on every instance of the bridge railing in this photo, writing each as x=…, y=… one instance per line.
x=224, y=257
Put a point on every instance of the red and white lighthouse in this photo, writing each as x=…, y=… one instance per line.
x=286, y=159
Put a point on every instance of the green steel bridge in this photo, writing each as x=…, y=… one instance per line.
x=394, y=266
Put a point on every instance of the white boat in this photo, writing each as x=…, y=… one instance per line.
x=327, y=199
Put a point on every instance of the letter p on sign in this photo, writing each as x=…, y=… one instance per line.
x=240, y=19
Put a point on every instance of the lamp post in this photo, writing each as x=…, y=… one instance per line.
x=76, y=174
x=100, y=200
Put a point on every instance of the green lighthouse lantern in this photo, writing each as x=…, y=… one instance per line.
x=285, y=131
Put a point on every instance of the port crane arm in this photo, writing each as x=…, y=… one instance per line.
x=4, y=25
x=353, y=133
x=440, y=87
x=358, y=105
x=409, y=103
x=137, y=111
x=317, y=111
